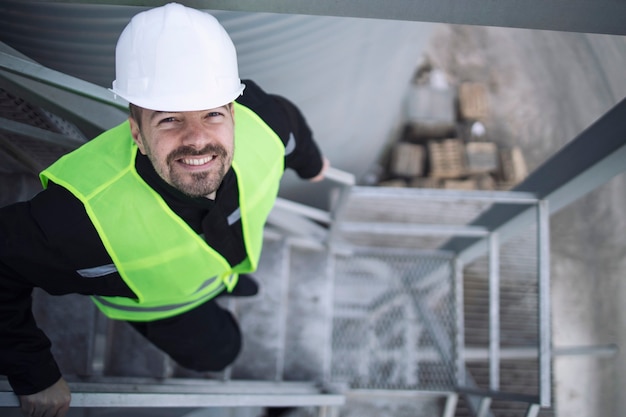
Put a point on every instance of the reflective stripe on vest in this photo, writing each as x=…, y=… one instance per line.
x=167, y=265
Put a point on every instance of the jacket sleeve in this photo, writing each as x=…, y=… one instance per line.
x=302, y=153
x=43, y=243
x=25, y=356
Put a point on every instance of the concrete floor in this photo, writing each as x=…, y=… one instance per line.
x=545, y=88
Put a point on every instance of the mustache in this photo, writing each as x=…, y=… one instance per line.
x=184, y=151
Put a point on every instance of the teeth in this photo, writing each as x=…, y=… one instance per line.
x=197, y=161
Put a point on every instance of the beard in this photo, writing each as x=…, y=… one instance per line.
x=195, y=184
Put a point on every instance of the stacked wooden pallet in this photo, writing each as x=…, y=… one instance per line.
x=444, y=143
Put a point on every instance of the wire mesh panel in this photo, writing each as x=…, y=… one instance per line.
x=395, y=320
x=519, y=320
x=473, y=324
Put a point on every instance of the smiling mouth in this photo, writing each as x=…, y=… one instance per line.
x=197, y=161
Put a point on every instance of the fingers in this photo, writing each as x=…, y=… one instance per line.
x=54, y=401
x=62, y=410
x=44, y=410
x=320, y=175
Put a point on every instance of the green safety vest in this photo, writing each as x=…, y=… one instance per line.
x=168, y=266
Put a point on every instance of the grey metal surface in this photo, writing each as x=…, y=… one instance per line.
x=263, y=317
x=416, y=218
x=308, y=314
x=22, y=124
x=43, y=135
x=494, y=312
x=17, y=187
x=395, y=213
x=90, y=107
x=545, y=309
x=128, y=353
x=384, y=308
x=583, y=16
x=533, y=410
x=199, y=394
x=459, y=303
x=28, y=69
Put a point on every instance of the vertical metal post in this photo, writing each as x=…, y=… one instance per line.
x=460, y=321
x=330, y=292
x=485, y=405
x=284, y=300
x=494, y=312
x=450, y=407
x=410, y=370
x=533, y=410
x=545, y=331
x=328, y=411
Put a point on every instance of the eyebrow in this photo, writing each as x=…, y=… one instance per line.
x=157, y=113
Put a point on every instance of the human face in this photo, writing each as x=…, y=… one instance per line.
x=191, y=151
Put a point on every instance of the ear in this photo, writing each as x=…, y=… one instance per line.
x=135, y=132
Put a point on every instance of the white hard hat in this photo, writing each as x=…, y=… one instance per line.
x=174, y=58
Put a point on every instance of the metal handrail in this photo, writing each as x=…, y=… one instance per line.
x=299, y=217
x=57, y=79
x=139, y=392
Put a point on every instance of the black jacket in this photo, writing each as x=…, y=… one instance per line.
x=45, y=241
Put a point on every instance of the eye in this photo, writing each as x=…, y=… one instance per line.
x=167, y=120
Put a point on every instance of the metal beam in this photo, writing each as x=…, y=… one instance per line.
x=20, y=156
x=43, y=135
x=295, y=224
x=586, y=16
x=91, y=108
x=405, y=229
x=58, y=79
x=450, y=196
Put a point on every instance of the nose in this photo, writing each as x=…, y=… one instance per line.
x=196, y=134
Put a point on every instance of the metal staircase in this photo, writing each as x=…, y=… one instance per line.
x=368, y=307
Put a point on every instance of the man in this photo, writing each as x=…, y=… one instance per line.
x=158, y=216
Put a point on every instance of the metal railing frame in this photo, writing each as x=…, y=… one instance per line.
x=480, y=400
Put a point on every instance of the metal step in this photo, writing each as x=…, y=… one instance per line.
x=137, y=392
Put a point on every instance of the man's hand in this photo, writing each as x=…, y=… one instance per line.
x=320, y=175
x=54, y=401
